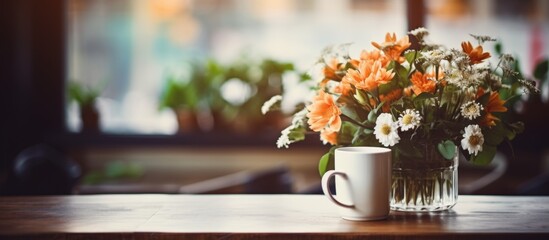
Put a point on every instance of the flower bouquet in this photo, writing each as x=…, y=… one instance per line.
x=426, y=104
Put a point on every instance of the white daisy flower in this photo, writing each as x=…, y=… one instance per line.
x=386, y=130
x=271, y=104
x=471, y=110
x=409, y=119
x=472, y=139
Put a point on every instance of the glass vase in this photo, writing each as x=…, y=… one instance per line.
x=426, y=183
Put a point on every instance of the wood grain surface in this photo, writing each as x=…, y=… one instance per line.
x=260, y=217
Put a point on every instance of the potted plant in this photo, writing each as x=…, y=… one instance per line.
x=86, y=98
x=264, y=79
x=182, y=98
x=210, y=89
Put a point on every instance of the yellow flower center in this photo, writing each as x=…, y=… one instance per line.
x=474, y=140
x=385, y=129
x=471, y=109
x=407, y=119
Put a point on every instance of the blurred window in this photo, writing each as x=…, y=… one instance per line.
x=127, y=51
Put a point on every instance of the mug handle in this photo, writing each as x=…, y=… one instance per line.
x=326, y=189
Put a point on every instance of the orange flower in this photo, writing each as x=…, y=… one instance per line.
x=393, y=48
x=408, y=91
x=330, y=69
x=324, y=113
x=476, y=55
x=343, y=88
x=369, y=75
x=330, y=73
x=375, y=55
x=423, y=83
x=354, y=62
x=495, y=104
x=390, y=98
x=328, y=136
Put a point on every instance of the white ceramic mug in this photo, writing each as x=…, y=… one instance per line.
x=362, y=182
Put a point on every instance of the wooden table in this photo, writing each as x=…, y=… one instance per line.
x=260, y=216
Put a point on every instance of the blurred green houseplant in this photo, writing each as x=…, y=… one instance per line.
x=181, y=95
x=85, y=97
x=264, y=79
x=193, y=95
x=203, y=90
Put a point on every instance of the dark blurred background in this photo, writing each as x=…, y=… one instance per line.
x=165, y=95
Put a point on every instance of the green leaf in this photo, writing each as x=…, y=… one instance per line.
x=511, y=135
x=377, y=109
x=346, y=134
x=326, y=162
x=350, y=112
x=391, y=65
x=495, y=135
x=303, y=77
x=360, y=142
x=410, y=56
x=517, y=127
x=421, y=98
x=372, y=116
x=447, y=149
x=178, y=94
x=386, y=88
x=364, y=137
x=513, y=129
x=450, y=95
x=401, y=71
x=362, y=98
x=484, y=157
x=83, y=95
x=498, y=48
x=357, y=136
x=297, y=134
x=540, y=72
